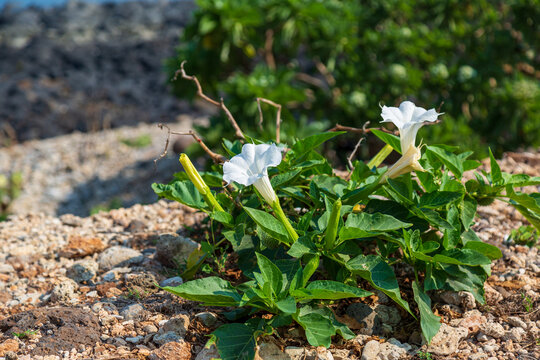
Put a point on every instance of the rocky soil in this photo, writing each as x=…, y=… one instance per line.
x=84, y=287
x=86, y=66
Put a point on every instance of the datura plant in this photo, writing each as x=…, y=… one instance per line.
x=304, y=237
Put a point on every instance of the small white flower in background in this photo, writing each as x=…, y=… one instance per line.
x=408, y=118
x=250, y=167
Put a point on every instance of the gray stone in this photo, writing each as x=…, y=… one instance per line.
x=270, y=351
x=178, y=324
x=367, y=317
x=447, y=340
x=132, y=312
x=515, y=334
x=371, y=350
x=388, y=314
x=172, y=249
x=64, y=291
x=172, y=282
x=493, y=329
x=119, y=256
x=208, y=318
x=393, y=350
x=6, y=268
x=162, y=338
x=516, y=321
x=135, y=339
x=208, y=354
x=82, y=271
x=462, y=298
x=296, y=353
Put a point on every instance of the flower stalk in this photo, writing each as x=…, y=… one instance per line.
x=333, y=223
x=199, y=183
x=278, y=211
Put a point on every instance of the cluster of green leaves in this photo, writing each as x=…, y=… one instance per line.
x=481, y=53
x=10, y=188
x=348, y=230
x=524, y=235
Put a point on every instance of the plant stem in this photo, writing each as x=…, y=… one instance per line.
x=284, y=220
x=333, y=222
x=380, y=156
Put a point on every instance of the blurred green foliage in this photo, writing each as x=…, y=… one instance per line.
x=10, y=189
x=335, y=61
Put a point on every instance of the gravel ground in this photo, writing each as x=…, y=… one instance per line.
x=80, y=288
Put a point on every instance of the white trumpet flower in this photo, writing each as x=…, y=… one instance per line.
x=250, y=167
x=408, y=118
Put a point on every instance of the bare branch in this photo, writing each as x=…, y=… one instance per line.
x=362, y=130
x=220, y=104
x=336, y=92
x=278, y=116
x=350, y=157
x=218, y=159
x=268, y=54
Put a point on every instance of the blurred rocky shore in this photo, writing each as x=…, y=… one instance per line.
x=86, y=66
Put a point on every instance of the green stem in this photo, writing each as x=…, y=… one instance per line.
x=380, y=157
x=333, y=222
x=284, y=220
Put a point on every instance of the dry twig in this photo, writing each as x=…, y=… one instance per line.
x=355, y=150
x=220, y=104
x=278, y=115
x=268, y=54
x=218, y=159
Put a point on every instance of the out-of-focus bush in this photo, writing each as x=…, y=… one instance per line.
x=10, y=188
x=335, y=61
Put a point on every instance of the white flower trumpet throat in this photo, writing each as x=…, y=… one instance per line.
x=250, y=167
x=408, y=118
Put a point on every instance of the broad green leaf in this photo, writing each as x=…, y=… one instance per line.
x=402, y=189
x=222, y=217
x=433, y=217
x=287, y=305
x=380, y=275
x=235, y=342
x=319, y=329
x=302, y=246
x=466, y=278
x=450, y=160
x=284, y=178
x=269, y=224
x=429, y=246
x=462, y=257
x=363, y=191
x=533, y=218
x=211, y=291
x=468, y=211
x=367, y=225
x=488, y=250
x=389, y=139
x=437, y=199
x=329, y=290
x=310, y=268
x=183, y=192
x=271, y=273
x=304, y=146
x=496, y=175
x=429, y=322
x=530, y=201
x=452, y=238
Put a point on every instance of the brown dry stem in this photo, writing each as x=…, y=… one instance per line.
x=201, y=94
x=278, y=115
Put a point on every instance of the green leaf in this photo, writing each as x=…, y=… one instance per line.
x=450, y=160
x=389, y=139
x=283, y=179
x=437, y=199
x=304, y=146
x=310, y=268
x=488, y=250
x=183, y=192
x=235, y=342
x=462, y=257
x=368, y=225
x=270, y=273
x=211, y=291
x=380, y=275
x=222, y=217
x=269, y=224
x=429, y=322
x=433, y=217
x=302, y=246
x=319, y=329
x=287, y=305
x=329, y=290
x=496, y=175
x=468, y=211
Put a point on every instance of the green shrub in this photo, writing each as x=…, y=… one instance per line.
x=334, y=61
x=10, y=189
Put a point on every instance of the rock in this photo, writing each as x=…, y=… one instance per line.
x=296, y=353
x=6, y=268
x=79, y=246
x=361, y=339
x=132, y=312
x=482, y=337
x=324, y=354
x=134, y=339
x=472, y=320
x=392, y=350
x=371, y=350
x=149, y=329
x=172, y=282
x=462, y=298
x=447, y=340
x=516, y=321
x=119, y=256
x=9, y=345
x=369, y=320
x=516, y=334
x=82, y=271
x=64, y=291
x=172, y=351
x=164, y=337
x=172, y=249
x=209, y=319
x=492, y=295
x=389, y=315
x=178, y=324
x=493, y=329
x=11, y=355
x=341, y=354
x=270, y=351
x=208, y=353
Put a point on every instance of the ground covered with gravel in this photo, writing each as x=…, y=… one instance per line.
x=84, y=288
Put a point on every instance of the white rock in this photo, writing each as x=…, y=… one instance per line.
x=208, y=354
x=493, y=329
x=270, y=351
x=447, y=340
x=516, y=321
x=119, y=256
x=515, y=334
x=371, y=350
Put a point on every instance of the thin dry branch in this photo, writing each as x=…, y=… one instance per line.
x=218, y=159
x=362, y=130
x=268, y=54
x=336, y=92
x=350, y=157
x=220, y=104
x=278, y=115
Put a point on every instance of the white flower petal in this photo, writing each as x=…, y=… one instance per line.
x=251, y=164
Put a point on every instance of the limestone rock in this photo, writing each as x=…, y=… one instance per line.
x=447, y=340
x=172, y=249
